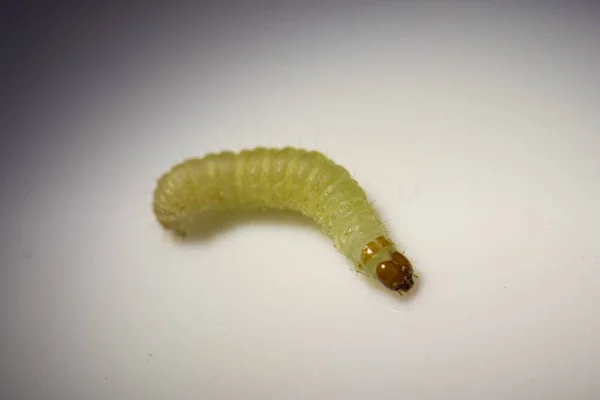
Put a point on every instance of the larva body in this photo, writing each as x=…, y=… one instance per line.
x=294, y=179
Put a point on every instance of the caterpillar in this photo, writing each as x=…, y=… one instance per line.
x=285, y=178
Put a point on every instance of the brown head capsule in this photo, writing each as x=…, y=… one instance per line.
x=396, y=274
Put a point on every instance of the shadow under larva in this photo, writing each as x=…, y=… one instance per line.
x=195, y=196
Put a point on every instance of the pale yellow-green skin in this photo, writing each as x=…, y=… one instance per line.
x=288, y=178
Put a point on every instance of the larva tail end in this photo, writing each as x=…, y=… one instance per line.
x=396, y=274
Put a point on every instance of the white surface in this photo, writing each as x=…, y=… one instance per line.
x=474, y=128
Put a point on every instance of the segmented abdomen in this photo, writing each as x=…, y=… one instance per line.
x=288, y=178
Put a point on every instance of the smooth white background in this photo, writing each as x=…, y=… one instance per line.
x=473, y=126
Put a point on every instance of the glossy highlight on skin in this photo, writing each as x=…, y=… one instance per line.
x=287, y=178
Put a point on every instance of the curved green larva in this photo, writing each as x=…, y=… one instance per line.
x=295, y=179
